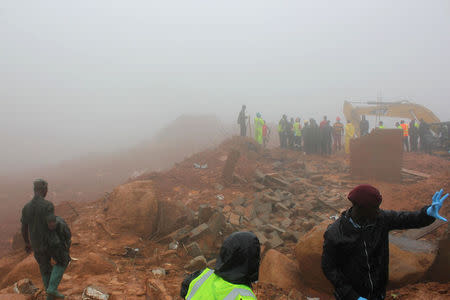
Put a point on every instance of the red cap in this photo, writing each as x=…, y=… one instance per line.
x=365, y=195
x=338, y=119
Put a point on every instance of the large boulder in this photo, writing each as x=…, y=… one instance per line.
x=277, y=269
x=308, y=252
x=405, y=267
x=27, y=268
x=133, y=207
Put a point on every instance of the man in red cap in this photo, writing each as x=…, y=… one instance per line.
x=355, y=256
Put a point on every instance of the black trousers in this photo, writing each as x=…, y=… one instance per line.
x=243, y=130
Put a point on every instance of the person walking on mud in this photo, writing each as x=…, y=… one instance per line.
x=355, y=256
x=35, y=231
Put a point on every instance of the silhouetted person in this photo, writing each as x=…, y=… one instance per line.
x=283, y=125
x=405, y=129
x=364, y=126
x=35, y=229
x=338, y=132
x=242, y=121
x=413, y=135
x=425, y=137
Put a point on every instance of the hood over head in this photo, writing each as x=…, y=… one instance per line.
x=239, y=258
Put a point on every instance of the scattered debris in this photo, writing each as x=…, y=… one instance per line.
x=25, y=286
x=199, y=166
x=94, y=293
x=159, y=272
x=131, y=252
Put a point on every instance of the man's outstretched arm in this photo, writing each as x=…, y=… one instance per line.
x=417, y=219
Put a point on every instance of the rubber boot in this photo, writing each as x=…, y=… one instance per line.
x=46, y=280
x=55, y=279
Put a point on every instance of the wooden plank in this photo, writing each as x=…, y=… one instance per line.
x=415, y=173
x=421, y=232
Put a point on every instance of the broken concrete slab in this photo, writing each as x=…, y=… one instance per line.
x=239, y=202
x=274, y=241
x=230, y=164
x=193, y=249
x=281, y=207
x=261, y=237
x=239, y=210
x=216, y=223
x=271, y=197
x=286, y=223
x=260, y=176
x=204, y=213
x=272, y=227
x=290, y=236
x=274, y=179
x=235, y=219
x=263, y=208
x=198, y=231
x=258, y=186
x=316, y=178
x=256, y=222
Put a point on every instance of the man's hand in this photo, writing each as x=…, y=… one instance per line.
x=28, y=248
x=436, y=205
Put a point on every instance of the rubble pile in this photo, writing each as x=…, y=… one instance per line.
x=140, y=240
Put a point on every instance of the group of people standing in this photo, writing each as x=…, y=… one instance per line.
x=324, y=138
x=314, y=138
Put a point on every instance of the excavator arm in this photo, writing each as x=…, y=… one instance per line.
x=400, y=109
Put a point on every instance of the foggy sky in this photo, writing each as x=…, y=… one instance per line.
x=89, y=76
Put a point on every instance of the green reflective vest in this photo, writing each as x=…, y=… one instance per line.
x=209, y=286
x=259, y=123
x=297, y=129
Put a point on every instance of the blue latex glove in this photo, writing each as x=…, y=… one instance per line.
x=362, y=298
x=436, y=205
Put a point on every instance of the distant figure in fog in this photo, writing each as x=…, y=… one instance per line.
x=338, y=132
x=242, y=121
x=349, y=134
x=364, y=126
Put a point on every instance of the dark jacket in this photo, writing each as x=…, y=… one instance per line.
x=59, y=242
x=238, y=261
x=34, y=215
x=356, y=260
x=364, y=127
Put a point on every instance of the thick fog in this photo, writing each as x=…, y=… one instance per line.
x=92, y=76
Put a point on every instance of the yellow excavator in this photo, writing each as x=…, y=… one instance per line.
x=398, y=109
x=401, y=110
